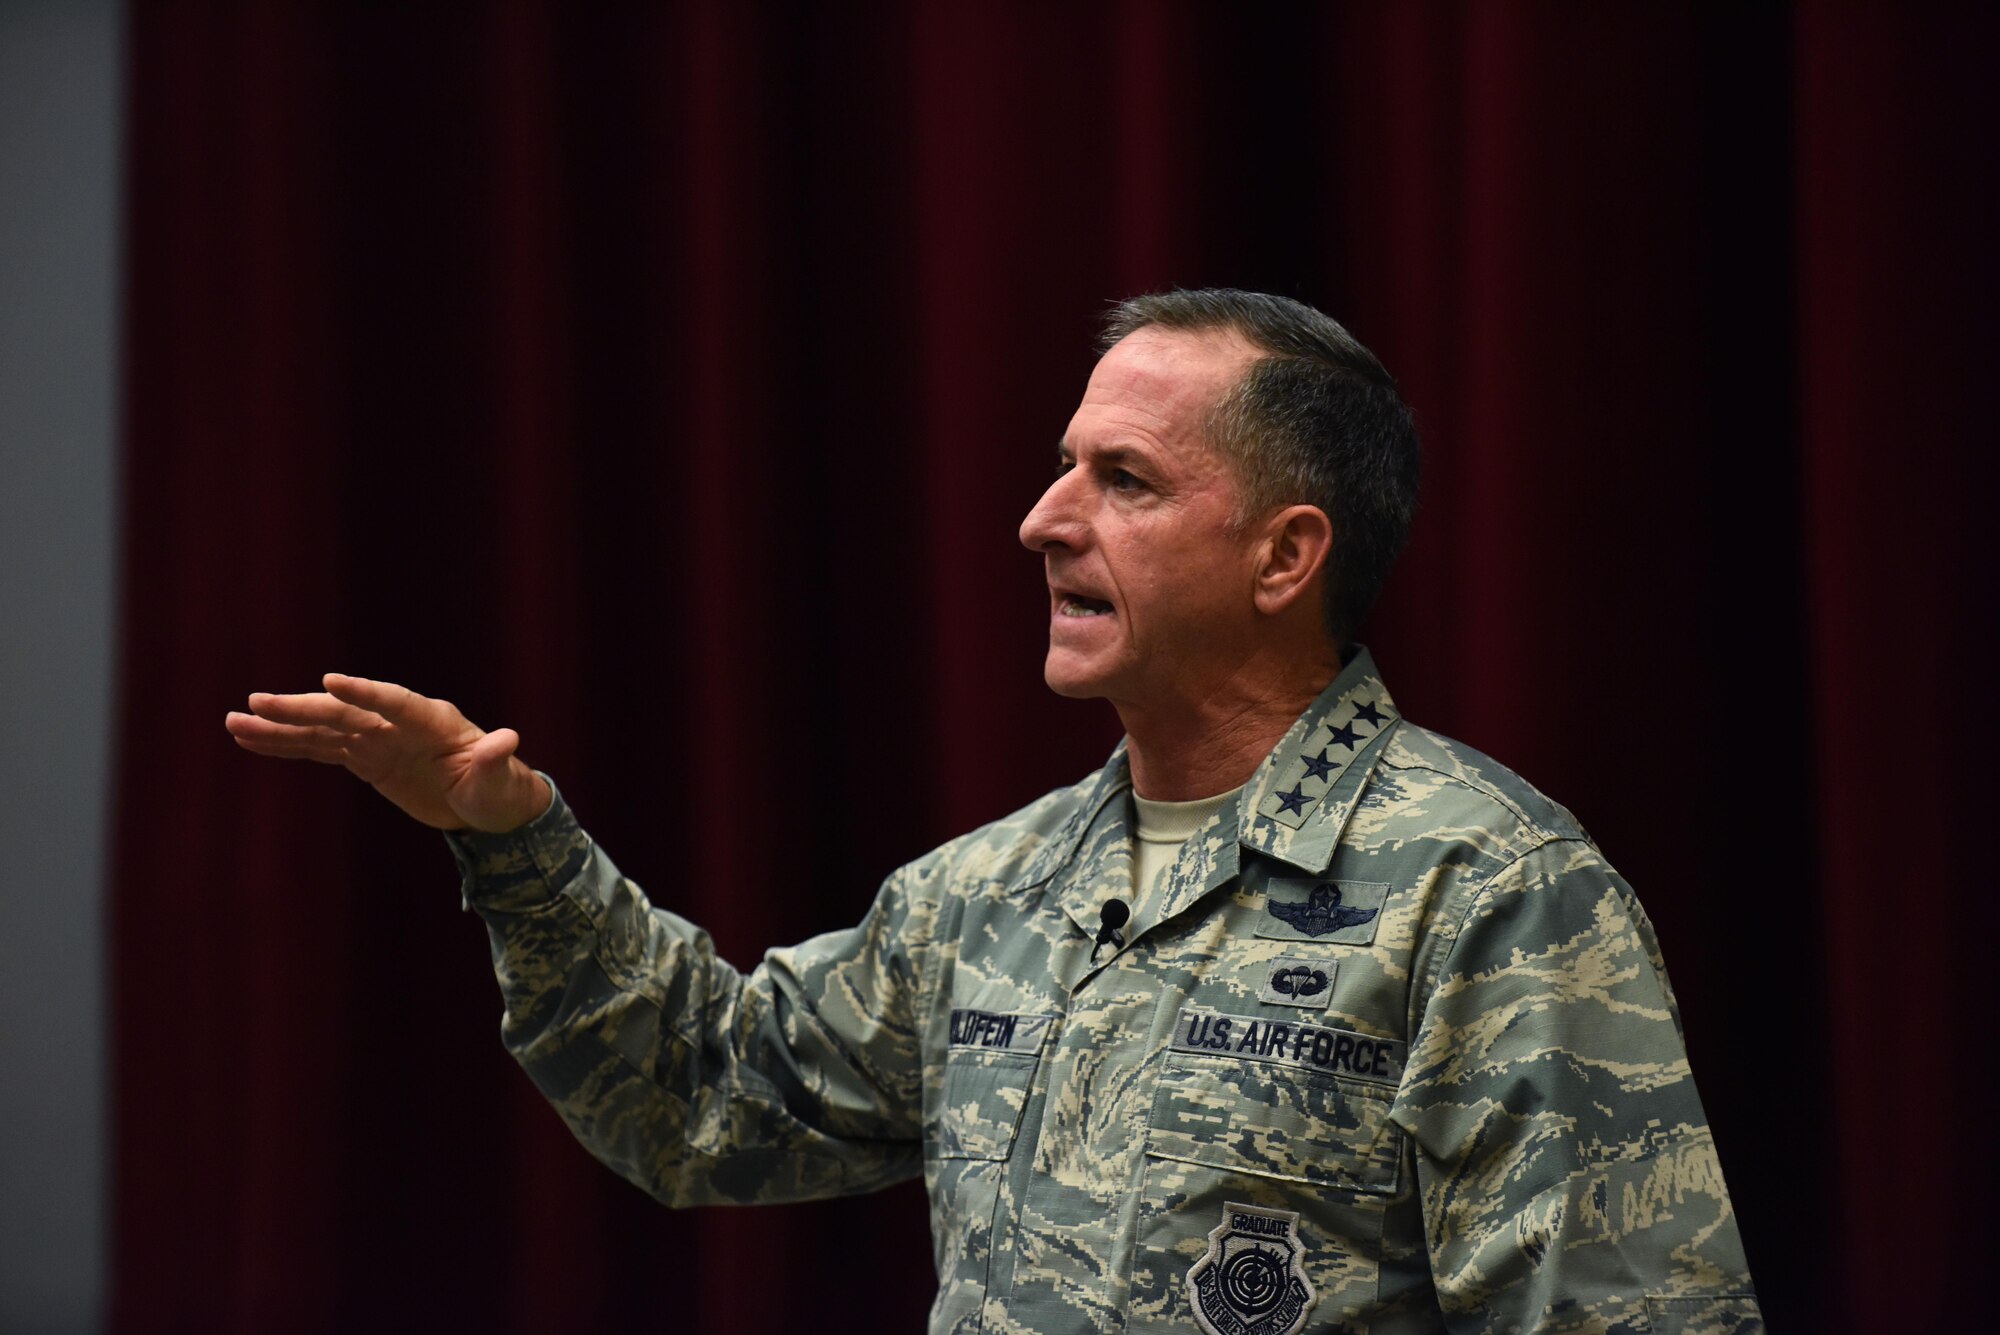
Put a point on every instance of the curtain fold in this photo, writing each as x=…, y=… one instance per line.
x=1897, y=289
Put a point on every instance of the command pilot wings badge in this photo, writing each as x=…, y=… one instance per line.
x=1251, y=1281
x=1322, y=912
x=1342, y=912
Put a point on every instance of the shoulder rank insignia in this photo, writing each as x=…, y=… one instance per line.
x=1251, y=1280
x=1336, y=912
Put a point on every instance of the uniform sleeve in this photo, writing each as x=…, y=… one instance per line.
x=698, y=1083
x=1568, y=1178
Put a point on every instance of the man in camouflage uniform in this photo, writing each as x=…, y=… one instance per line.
x=1380, y=1042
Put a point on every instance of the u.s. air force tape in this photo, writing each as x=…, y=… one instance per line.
x=1011, y=1033
x=1309, y=1047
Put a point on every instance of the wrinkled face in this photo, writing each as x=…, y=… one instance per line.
x=1150, y=593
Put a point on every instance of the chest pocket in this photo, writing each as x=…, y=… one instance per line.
x=1275, y=1121
x=987, y=1074
x=1228, y=1132
x=984, y=1093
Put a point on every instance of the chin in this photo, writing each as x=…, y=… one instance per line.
x=1072, y=680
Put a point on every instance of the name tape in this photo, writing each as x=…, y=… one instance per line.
x=1308, y=1047
x=1009, y=1033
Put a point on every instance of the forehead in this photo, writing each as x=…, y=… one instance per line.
x=1160, y=383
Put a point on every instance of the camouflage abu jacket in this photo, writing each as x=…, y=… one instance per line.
x=1392, y=1051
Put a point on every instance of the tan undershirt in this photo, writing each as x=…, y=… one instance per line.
x=1161, y=829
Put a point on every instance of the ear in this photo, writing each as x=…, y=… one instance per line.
x=1296, y=542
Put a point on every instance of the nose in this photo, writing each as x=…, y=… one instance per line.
x=1055, y=521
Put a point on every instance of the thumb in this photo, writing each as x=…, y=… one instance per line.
x=497, y=793
x=493, y=749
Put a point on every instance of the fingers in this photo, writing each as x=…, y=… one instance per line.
x=316, y=709
x=287, y=741
x=399, y=704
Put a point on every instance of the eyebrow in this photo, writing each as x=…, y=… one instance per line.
x=1117, y=456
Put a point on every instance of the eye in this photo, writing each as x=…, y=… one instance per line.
x=1124, y=481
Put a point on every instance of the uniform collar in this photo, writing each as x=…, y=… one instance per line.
x=1297, y=803
x=1103, y=805
x=1293, y=808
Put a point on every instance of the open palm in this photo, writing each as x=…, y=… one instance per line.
x=420, y=753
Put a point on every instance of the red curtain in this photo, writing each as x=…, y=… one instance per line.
x=667, y=382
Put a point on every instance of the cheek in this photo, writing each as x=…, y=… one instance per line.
x=1218, y=590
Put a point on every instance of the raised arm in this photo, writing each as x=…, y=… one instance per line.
x=698, y=1083
x=702, y=1085
x=420, y=753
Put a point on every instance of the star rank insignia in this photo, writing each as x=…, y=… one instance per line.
x=1318, y=764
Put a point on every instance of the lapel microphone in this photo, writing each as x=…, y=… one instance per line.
x=1114, y=913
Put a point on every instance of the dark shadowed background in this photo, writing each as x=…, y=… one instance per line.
x=668, y=382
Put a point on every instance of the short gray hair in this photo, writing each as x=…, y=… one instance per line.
x=1315, y=420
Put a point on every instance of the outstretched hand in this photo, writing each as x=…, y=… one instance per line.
x=420, y=753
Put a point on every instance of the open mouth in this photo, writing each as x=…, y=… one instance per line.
x=1076, y=605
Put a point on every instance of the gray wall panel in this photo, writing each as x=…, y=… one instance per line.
x=60, y=69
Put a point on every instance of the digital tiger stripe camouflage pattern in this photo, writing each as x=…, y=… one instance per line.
x=1488, y=1123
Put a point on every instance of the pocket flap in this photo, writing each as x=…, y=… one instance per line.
x=984, y=1093
x=1276, y=1121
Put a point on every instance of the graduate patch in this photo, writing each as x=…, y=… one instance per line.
x=1252, y=1280
x=1308, y=909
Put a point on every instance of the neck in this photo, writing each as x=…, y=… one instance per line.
x=1210, y=742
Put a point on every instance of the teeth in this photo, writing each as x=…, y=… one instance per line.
x=1072, y=608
